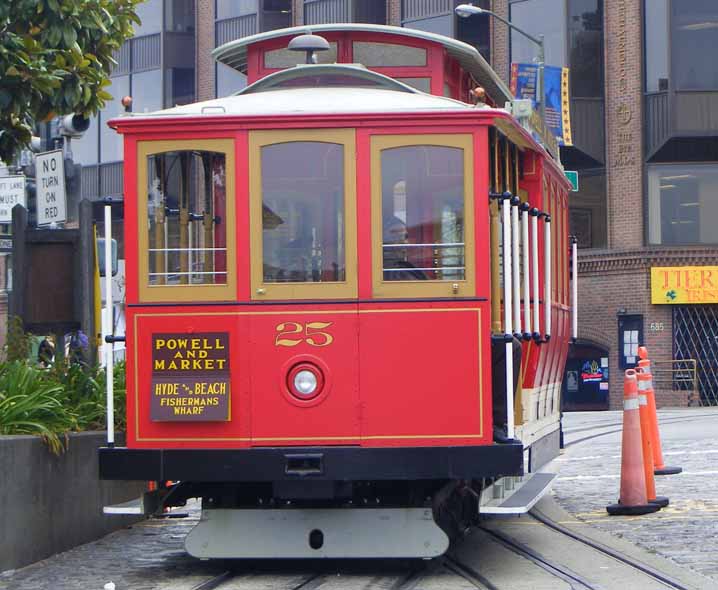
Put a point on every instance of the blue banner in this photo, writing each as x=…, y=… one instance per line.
x=558, y=117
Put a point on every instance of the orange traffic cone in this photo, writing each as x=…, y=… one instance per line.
x=659, y=467
x=633, y=499
x=644, y=382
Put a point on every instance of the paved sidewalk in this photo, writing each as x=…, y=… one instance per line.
x=685, y=531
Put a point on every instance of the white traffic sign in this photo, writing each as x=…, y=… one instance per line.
x=12, y=192
x=50, y=181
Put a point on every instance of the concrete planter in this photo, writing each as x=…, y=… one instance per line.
x=49, y=504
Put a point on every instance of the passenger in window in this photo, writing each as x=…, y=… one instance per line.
x=396, y=264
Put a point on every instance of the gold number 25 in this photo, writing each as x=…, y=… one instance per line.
x=292, y=333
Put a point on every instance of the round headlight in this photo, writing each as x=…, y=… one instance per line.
x=305, y=382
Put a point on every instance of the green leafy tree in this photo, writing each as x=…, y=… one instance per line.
x=55, y=59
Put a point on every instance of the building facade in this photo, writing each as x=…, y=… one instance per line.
x=644, y=112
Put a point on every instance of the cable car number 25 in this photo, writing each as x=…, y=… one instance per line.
x=293, y=333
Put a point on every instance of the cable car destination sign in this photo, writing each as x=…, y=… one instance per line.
x=190, y=377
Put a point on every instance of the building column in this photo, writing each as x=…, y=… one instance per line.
x=393, y=13
x=500, y=53
x=298, y=12
x=205, y=19
x=624, y=115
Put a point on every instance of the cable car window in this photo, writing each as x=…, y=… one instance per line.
x=373, y=54
x=422, y=84
x=424, y=192
x=285, y=58
x=186, y=194
x=303, y=212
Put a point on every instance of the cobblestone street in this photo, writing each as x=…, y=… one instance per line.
x=685, y=530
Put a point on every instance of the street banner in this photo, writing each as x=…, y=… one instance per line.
x=50, y=183
x=12, y=192
x=676, y=285
x=558, y=115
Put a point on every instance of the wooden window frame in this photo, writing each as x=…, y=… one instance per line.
x=185, y=293
x=261, y=290
x=429, y=288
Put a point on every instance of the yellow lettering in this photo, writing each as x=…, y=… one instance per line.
x=220, y=364
x=159, y=365
x=159, y=343
x=195, y=343
x=218, y=344
x=209, y=364
x=184, y=364
x=203, y=354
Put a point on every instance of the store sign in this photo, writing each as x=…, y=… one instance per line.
x=684, y=284
x=190, y=377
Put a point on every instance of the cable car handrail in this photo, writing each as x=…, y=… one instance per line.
x=435, y=268
x=192, y=272
x=187, y=249
x=437, y=245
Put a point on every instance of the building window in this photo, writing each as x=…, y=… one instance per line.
x=233, y=8
x=656, y=45
x=587, y=210
x=694, y=35
x=539, y=17
x=585, y=42
x=150, y=13
x=683, y=204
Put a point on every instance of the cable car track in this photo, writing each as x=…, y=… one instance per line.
x=600, y=547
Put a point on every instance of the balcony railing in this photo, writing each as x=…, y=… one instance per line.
x=682, y=113
x=235, y=28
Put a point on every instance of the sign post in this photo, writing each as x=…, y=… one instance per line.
x=51, y=197
x=12, y=192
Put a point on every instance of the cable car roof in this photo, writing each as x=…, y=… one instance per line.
x=313, y=100
x=234, y=53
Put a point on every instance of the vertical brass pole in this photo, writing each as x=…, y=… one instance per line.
x=208, y=219
x=160, y=218
x=184, y=218
x=494, y=230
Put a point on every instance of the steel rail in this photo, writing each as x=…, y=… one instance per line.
x=556, y=569
x=646, y=569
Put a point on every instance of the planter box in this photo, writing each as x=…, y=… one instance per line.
x=49, y=504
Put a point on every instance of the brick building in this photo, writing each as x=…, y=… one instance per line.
x=644, y=111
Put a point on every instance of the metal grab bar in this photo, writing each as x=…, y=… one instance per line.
x=442, y=245
x=527, y=286
x=508, y=328
x=547, y=276
x=515, y=260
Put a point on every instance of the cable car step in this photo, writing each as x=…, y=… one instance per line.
x=515, y=495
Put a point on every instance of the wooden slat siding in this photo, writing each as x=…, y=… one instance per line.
x=587, y=127
x=122, y=57
x=414, y=9
x=657, y=121
x=327, y=11
x=696, y=113
x=146, y=53
x=231, y=29
x=111, y=180
x=90, y=183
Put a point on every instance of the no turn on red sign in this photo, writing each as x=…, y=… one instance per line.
x=50, y=182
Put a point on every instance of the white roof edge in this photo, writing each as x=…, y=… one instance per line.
x=234, y=53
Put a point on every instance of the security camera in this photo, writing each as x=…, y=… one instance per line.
x=74, y=125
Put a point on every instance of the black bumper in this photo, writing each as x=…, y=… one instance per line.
x=269, y=464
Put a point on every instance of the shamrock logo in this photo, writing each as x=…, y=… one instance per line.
x=671, y=295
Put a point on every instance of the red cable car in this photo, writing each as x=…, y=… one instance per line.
x=347, y=298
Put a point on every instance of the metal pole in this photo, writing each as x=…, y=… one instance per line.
x=574, y=272
x=108, y=329
x=540, y=92
x=535, y=265
x=508, y=330
x=527, y=284
x=515, y=261
x=547, y=275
